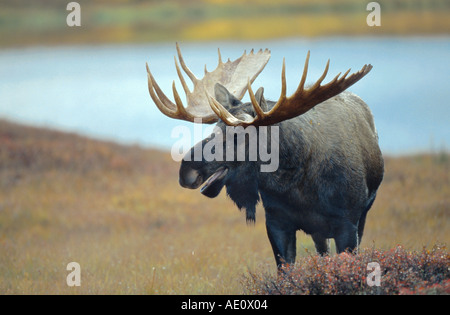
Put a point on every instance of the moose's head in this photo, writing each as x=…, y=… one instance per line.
x=236, y=153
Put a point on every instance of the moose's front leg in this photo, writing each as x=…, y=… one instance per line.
x=282, y=238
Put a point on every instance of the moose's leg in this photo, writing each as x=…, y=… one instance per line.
x=347, y=238
x=362, y=219
x=321, y=244
x=361, y=223
x=283, y=240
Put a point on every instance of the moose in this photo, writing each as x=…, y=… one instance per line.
x=330, y=164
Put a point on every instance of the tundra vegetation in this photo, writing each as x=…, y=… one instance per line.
x=44, y=22
x=120, y=213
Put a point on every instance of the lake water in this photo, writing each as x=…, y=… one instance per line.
x=101, y=91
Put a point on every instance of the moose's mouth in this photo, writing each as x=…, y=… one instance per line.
x=215, y=183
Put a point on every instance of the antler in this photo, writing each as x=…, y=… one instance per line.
x=234, y=75
x=298, y=103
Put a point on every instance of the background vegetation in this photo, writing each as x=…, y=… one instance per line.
x=120, y=213
x=43, y=22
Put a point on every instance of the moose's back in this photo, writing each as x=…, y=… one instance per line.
x=330, y=165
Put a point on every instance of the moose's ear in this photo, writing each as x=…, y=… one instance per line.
x=260, y=99
x=224, y=97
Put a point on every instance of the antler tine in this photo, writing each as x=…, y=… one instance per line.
x=284, y=85
x=301, y=85
x=333, y=81
x=185, y=68
x=180, y=75
x=163, y=108
x=181, y=110
x=283, y=80
x=161, y=99
x=220, y=56
x=345, y=74
x=324, y=74
x=219, y=62
x=259, y=112
x=358, y=75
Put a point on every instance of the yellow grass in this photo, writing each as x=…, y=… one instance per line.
x=325, y=24
x=119, y=212
x=270, y=27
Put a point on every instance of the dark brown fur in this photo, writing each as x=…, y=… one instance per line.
x=330, y=167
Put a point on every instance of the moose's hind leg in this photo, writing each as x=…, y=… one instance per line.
x=283, y=241
x=347, y=238
x=321, y=244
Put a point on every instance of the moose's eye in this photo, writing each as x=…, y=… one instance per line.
x=235, y=102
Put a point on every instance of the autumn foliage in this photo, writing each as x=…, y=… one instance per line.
x=401, y=272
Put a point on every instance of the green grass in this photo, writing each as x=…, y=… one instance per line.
x=119, y=212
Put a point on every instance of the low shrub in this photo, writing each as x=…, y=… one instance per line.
x=400, y=272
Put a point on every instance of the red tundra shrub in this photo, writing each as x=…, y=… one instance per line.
x=396, y=271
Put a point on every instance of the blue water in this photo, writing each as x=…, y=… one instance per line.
x=101, y=91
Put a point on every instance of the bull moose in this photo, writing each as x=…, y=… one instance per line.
x=330, y=164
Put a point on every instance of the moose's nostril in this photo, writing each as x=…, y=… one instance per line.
x=190, y=179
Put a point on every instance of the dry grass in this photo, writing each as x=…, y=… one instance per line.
x=413, y=203
x=120, y=213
